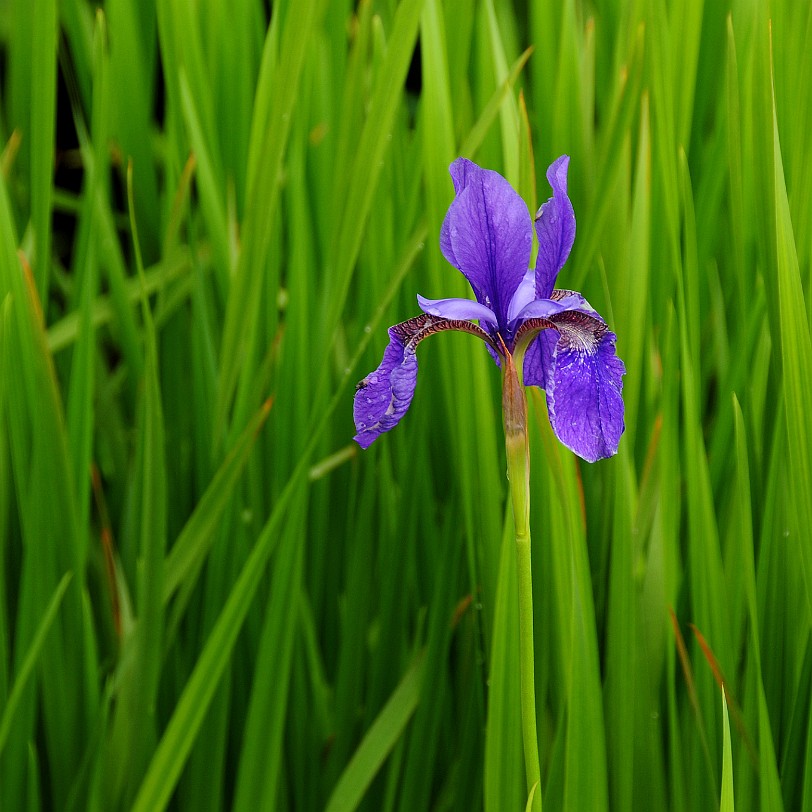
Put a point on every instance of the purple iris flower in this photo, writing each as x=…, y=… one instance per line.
x=566, y=347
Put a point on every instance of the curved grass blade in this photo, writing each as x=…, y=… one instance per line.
x=189, y=551
x=135, y=721
x=372, y=145
x=726, y=804
x=44, y=20
x=796, y=356
x=504, y=759
x=31, y=658
x=105, y=309
x=378, y=742
x=531, y=797
x=275, y=100
x=261, y=754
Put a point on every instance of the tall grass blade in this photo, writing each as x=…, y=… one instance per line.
x=31, y=659
x=726, y=804
x=504, y=758
x=796, y=354
x=377, y=742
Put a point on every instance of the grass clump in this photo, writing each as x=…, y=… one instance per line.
x=208, y=597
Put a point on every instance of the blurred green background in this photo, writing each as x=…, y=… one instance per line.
x=209, y=597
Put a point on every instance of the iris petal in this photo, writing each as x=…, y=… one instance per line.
x=543, y=308
x=384, y=396
x=524, y=294
x=538, y=359
x=555, y=228
x=578, y=367
x=487, y=235
x=457, y=309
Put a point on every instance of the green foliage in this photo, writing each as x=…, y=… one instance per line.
x=209, y=597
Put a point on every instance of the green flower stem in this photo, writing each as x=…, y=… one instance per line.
x=514, y=408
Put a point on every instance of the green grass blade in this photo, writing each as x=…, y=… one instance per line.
x=378, y=742
x=260, y=769
x=726, y=804
x=504, y=757
x=621, y=682
x=42, y=132
x=276, y=98
x=796, y=355
x=31, y=659
x=213, y=207
x=477, y=133
x=134, y=724
x=80, y=395
x=65, y=332
x=187, y=554
x=45, y=504
x=371, y=148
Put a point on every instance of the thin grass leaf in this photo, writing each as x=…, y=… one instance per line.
x=260, y=766
x=188, y=553
x=269, y=135
x=46, y=507
x=621, y=681
x=726, y=804
x=31, y=658
x=214, y=208
x=509, y=111
x=769, y=781
x=132, y=65
x=104, y=309
x=531, y=797
x=80, y=395
x=372, y=144
x=378, y=742
x=477, y=133
x=41, y=132
x=134, y=724
x=504, y=756
x=796, y=353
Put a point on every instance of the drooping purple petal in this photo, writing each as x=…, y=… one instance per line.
x=555, y=228
x=487, y=235
x=384, y=396
x=584, y=382
x=457, y=309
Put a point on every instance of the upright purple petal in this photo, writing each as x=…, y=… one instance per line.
x=525, y=293
x=555, y=228
x=584, y=382
x=460, y=171
x=487, y=235
x=384, y=396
